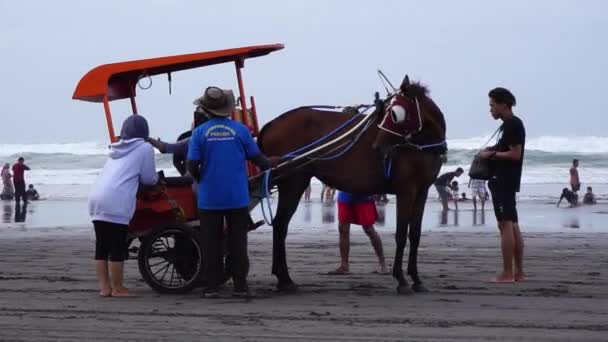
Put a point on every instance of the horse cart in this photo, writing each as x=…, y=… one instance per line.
x=166, y=220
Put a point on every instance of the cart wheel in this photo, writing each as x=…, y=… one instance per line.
x=170, y=260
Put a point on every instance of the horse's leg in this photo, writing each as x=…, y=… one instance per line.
x=404, y=210
x=415, y=232
x=290, y=191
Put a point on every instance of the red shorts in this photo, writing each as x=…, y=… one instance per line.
x=357, y=213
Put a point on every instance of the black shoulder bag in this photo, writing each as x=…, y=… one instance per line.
x=482, y=168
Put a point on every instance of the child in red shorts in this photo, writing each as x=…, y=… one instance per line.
x=361, y=210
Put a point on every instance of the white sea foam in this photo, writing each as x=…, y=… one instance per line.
x=552, y=144
x=83, y=148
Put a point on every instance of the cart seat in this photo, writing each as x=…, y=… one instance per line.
x=174, y=182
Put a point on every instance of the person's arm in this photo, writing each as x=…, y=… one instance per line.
x=158, y=144
x=253, y=153
x=148, y=175
x=25, y=167
x=195, y=156
x=514, y=153
x=194, y=168
x=180, y=147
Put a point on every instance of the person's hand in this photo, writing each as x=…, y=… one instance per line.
x=486, y=154
x=274, y=160
x=157, y=143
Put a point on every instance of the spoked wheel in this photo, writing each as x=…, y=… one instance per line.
x=170, y=260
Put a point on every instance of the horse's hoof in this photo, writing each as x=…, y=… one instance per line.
x=404, y=290
x=287, y=287
x=419, y=287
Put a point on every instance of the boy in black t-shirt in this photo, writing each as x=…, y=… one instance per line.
x=570, y=197
x=443, y=183
x=507, y=156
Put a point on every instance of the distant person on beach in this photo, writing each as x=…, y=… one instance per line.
x=478, y=191
x=327, y=194
x=570, y=196
x=8, y=193
x=463, y=197
x=575, y=182
x=361, y=210
x=455, y=195
x=381, y=199
x=19, y=180
x=217, y=157
x=32, y=194
x=507, y=156
x=443, y=183
x=589, y=197
x=112, y=202
x=307, y=194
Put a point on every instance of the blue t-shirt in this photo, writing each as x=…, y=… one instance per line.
x=222, y=146
x=346, y=197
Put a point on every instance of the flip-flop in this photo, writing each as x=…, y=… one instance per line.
x=338, y=272
x=105, y=294
x=500, y=280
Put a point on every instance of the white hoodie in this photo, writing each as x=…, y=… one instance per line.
x=113, y=197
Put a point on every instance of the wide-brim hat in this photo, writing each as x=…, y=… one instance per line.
x=217, y=101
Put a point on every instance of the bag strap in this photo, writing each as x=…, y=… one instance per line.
x=491, y=137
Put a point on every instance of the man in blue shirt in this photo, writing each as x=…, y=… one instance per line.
x=217, y=157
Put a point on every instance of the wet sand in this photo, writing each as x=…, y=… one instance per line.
x=48, y=291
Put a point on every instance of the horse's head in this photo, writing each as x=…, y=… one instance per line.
x=409, y=115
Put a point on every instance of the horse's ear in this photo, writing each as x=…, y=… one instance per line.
x=406, y=81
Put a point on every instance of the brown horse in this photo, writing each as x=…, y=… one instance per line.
x=412, y=136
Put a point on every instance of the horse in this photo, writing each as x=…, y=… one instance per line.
x=399, y=150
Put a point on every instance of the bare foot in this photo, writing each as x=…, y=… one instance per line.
x=105, y=292
x=502, y=279
x=520, y=277
x=122, y=292
x=382, y=270
x=339, y=271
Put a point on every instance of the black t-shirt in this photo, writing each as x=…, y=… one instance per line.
x=445, y=178
x=569, y=196
x=508, y=172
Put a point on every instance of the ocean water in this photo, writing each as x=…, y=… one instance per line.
x=66, y=171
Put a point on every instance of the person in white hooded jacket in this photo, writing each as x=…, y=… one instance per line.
x=113, y=198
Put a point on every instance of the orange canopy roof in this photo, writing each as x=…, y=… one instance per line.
x=118, y=80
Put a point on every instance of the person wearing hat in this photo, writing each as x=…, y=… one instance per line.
x=217, y=157
x=113, y=198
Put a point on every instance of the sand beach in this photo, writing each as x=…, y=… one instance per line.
x=48, y=289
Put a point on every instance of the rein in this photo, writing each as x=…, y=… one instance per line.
x=316, y=147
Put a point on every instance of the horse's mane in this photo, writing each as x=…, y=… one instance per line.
x=417, y=89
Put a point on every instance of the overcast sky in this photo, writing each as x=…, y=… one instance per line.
x=552, y=54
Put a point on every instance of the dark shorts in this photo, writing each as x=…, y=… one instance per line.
x=19, y=188
x=442, y=191
x=110, y=241
x=503, y=199
x=357, y=213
